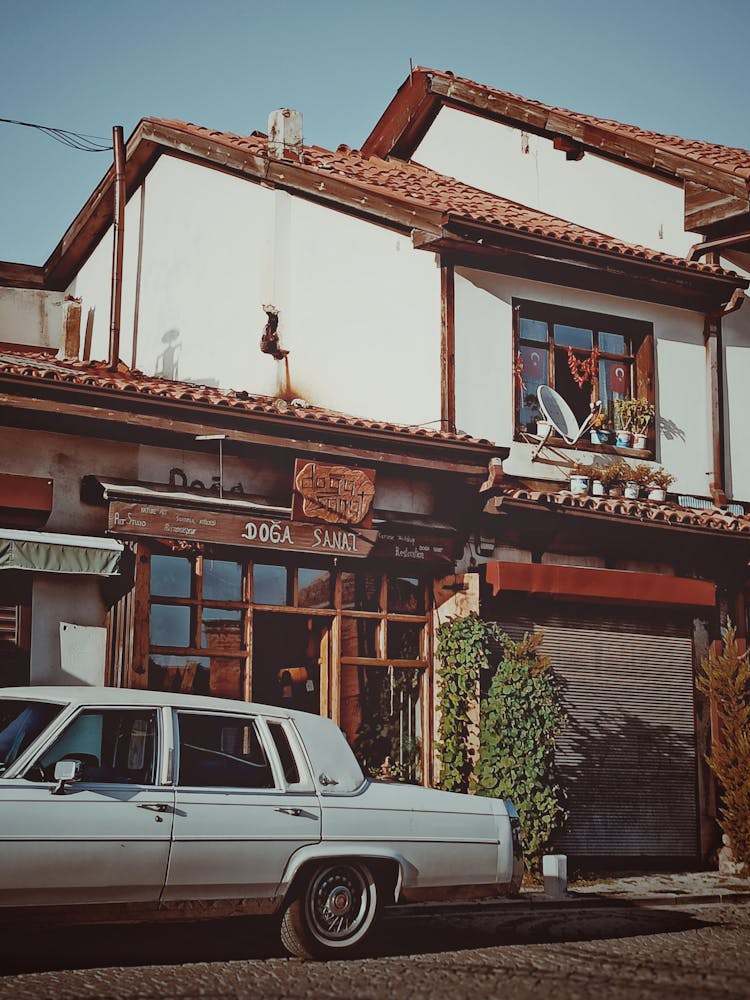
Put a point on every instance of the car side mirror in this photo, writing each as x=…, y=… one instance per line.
x=65, y=771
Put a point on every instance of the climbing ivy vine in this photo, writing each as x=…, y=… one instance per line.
x=521, y=716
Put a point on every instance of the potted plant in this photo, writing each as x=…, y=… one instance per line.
x=623, y=432
x=658, y=483
x=641, y=414
x=600, y=429
x=580, y=478
x=637, y=477
x=612, y=477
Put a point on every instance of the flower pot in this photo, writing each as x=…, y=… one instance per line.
x=599, y=437
x=623, y=439
x=544, y=428
x=614, y=491
x=579, y=485
x=631, y=491
x=640, y=441
x=657, y=493
x=597, y=488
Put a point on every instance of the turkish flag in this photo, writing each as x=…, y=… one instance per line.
x=618, y=377
x=533, y=364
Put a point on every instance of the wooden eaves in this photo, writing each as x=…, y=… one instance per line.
x=64, y=407
x=714, y=197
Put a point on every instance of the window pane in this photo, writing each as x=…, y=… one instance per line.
x=405, y=596
x=269, y=584
x=221, y=630
x=533, y=329
x=535, y=373
x=112, y=746
x=359, y=637
x=613, y=343
x=360, y=591
x=286, y=755
x=614, y=383
x=221, y=751
x=222, y=581
x=381, y=715
x=169, y=626
x=179, y=674
x=314, y=588
x=170, y=576
x=403, y=641
x=573, y=336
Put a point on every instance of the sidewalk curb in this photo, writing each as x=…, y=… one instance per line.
x=528, y=903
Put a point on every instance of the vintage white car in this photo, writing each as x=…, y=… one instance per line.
x=120, y=805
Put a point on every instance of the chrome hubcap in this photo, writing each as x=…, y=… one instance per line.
x=338, y=903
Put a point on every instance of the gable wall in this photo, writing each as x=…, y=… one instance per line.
x=592, y=192
x=359, y=307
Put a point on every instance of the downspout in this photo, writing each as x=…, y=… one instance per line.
x=118, y=239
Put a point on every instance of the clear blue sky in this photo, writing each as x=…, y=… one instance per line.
x=675, y=66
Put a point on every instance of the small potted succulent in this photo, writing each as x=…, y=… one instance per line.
x=658, y=483
x=580, y=478
x=637, y=478
x=600, y=429
x=623, y=431
x=641, y=414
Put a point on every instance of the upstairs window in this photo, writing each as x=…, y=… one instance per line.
x=617, y=352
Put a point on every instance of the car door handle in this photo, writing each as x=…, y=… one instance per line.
x=157, y=807
x=290, y=811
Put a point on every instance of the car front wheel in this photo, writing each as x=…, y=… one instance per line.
x=333, y=913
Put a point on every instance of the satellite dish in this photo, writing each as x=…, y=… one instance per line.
x=561, y=417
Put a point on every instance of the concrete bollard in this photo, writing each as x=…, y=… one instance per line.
x=555, y=874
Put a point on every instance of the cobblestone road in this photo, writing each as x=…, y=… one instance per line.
x=701, y=952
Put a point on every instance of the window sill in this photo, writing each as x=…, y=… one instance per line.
x=601, y=449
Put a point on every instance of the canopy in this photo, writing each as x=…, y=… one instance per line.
x=44, y=552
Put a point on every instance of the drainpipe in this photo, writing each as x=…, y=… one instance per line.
x=118, y=233
x=715, y=367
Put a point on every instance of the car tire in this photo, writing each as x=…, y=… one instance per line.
x=333, y=912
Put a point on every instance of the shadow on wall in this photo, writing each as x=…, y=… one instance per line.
x=669, y=429
x=167, y=363
x=630, y=786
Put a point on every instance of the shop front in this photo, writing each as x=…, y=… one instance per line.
x=322, y=609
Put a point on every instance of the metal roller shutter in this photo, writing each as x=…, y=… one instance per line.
x=628, y=756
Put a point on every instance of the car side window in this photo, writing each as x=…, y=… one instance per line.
x=221, y=751
x=113, y=745
x=285, y=752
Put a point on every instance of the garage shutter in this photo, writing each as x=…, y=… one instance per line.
x=628, y=756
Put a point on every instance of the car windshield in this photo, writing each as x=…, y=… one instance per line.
x=20, y=724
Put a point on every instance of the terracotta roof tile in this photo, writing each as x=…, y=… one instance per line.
x=649, y=511
x=412, y=183
x=97, y=375
x=728, y=159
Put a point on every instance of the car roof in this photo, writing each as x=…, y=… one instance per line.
x=90, y=695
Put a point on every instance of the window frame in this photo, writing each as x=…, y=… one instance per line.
x=639, y=334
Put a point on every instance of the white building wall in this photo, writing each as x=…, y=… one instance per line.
x=592, y=192
x=359, y=307
x=30, y=317
x=484, y=380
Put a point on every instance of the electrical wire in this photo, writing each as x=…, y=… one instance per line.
x=75, y=140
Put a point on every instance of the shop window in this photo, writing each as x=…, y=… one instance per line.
x=170, y=576
x=547, y=337
x=361, y=591
x=314, y=588
x=222, y=580
x=170, y=625
x=270, y=585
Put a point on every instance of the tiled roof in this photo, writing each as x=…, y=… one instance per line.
x=648, y=511
x=422, y=187
x=97, y=375
x=728, y=159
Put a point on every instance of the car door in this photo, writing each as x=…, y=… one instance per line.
x=244, y=804
x=104, y=838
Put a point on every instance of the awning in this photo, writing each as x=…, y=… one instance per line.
x=44, y=552
x=608, y=585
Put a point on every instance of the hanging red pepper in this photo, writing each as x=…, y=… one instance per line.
x=585, y=370
x=518, y=371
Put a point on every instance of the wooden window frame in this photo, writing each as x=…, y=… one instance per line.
x=639, y=333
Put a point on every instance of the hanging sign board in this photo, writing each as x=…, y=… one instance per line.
x=332, y=494
x=214, y=527
x=395, y=543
